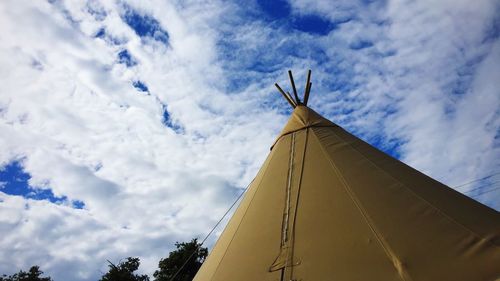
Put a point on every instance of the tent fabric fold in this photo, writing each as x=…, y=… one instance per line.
x=327, y=206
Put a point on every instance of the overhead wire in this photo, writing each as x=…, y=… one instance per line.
x=475, y=189
x=486, y=191
x=473, y=181
x=480, y=187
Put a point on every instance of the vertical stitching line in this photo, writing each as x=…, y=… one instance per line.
x=288, y=191
x=297, y=200
x=287, y=214
x=360, y=208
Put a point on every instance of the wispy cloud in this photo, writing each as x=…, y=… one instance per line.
x=146, y=119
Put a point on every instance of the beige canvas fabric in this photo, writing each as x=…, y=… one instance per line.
x=327, y=206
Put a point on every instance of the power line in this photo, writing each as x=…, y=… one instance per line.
x=468, y=192
x=211, y=231
x=472, y=181
x=486, y=191
x=480, y=187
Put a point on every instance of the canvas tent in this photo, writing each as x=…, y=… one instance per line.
x=327, y=206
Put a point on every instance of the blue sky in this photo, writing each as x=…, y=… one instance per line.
x=116, y=111
x=15, y=181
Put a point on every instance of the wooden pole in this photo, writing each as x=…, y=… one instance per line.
x=293, y=87
x=287, y=96
x=307, y=89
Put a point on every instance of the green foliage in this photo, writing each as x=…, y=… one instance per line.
x=124, y=271
x=169, y=266
x=188, y=255
x=34, y=274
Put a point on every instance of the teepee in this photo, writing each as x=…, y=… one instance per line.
x=327, y=206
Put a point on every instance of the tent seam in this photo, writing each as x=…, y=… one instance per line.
x=288, y=193
x=299, y=188
x=289, y=190
x=480, y=237
x=243, y=217
x=286, y=208
x=392, y=257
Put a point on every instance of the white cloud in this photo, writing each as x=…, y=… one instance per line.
x=69, y=110
x=432, y=65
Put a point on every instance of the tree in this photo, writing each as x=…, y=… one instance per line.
x=189, y=254
x=124, y=271
x=34, y=274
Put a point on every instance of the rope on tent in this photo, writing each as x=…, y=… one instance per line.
x=211, y=231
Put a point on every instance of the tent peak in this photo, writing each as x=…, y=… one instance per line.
x=303, y=117
x=327, y=205
x=295, y=100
